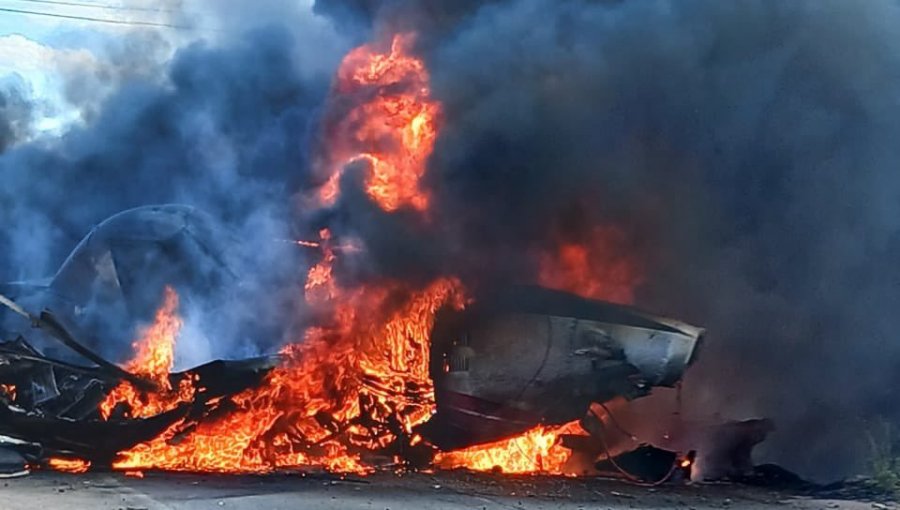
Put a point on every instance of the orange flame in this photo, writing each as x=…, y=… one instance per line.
x=154, y=358
x=356, y=385
x=593, y=267
x=8, y=391
x=68, y=465
x=535, y=451
x=392, y=130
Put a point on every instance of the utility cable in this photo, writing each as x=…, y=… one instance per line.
x=98, y=20
x=96, y=6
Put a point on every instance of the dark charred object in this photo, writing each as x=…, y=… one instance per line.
x=776, y=477
x=645, y=463
x=55, y=381
x=727, y=450
x=50, y=407
x=773, y=476
x=12, y=464
x=533, y=355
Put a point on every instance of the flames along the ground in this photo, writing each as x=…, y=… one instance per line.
x=358, y=383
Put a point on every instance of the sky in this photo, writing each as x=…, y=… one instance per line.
x=38, y=51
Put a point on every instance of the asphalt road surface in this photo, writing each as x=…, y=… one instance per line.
x=157, y=491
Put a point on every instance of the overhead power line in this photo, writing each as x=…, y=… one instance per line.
x=96, y=6
x=98, y=20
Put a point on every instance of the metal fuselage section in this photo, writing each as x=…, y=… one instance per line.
x=538, y=356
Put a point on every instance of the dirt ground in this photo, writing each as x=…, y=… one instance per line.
x=456, y=490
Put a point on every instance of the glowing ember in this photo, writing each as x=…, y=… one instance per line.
x=320, y=286
x=68, y=465
x=8, y=391
x=154, y=358
x=392, y=129
x=535, y=451
x=594, y=267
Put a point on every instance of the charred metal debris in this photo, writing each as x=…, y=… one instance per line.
x=51, y=407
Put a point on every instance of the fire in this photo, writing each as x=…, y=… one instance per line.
x=69, y=465
x=8, y=391
x=359, y=384
x=154, y=358
x=349, y=394
x=535, y=451
x=392, y=129
x=592, y=267
x=320, y=285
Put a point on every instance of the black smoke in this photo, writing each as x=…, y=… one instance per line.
x=748, y=145
x=746, y=148
x=364, y=20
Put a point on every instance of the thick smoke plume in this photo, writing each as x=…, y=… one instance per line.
x=745, y=149
x=225, y=129
x=742, y=153
x=15, y=114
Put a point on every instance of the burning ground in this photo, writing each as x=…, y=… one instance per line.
x=725, y=163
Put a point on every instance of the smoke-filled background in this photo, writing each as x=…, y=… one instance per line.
x=743, y=153
x=206, y=110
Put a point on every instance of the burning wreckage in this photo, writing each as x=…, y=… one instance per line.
x=54, y=385
x=527, y=364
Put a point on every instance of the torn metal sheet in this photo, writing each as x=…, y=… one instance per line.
x=52, y=407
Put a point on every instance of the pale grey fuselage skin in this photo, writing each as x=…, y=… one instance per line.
x=549, y=367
